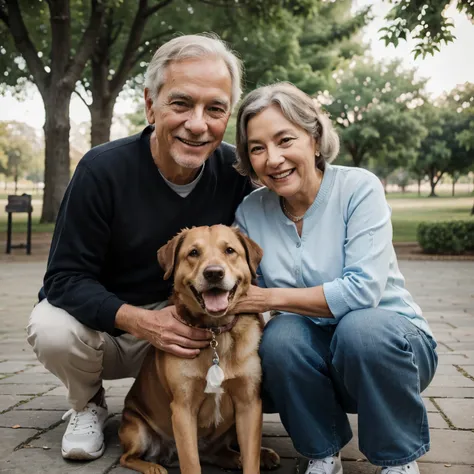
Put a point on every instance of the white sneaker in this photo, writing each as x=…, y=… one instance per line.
x=329, y=465
x=84, y=437
x=411, y=468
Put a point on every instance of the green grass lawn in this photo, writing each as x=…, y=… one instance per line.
x=408, y=211
x=20, y=220
x=439, y=195
x=20, y=224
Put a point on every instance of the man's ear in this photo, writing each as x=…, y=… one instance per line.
x=150, y=114
x=168, y=253
x=253, y=251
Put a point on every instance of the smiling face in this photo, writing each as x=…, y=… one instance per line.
x=213, y=267
x=190, y=115
x=281, y=153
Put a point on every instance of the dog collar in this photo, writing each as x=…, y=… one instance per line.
x=216, y=330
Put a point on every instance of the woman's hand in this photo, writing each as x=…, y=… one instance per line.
x=257, y=300
x=307, y=301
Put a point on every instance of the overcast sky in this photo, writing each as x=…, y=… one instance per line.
x=453, y=65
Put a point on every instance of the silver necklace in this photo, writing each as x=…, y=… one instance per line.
x=289, y=214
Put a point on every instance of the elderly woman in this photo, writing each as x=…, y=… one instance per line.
x=348, y=336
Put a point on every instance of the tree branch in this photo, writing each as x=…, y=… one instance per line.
x=133, y=42
x=115, y=34
x=152, y=39
x=223, y=4
x=25, y=46
x=82, y=98
x=87, y=42
x=149, y=11
x=153, y=44
x=4, y=15
x=439, y=177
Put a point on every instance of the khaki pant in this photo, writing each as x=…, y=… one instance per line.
x=79, y=356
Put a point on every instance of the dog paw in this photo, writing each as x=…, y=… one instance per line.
x=156, y=469
x=231, y=460
x=269, y=459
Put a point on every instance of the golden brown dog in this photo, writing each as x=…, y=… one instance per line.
x=169, y=409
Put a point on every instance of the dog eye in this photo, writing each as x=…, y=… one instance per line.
x=193, y=253
x=229, y=250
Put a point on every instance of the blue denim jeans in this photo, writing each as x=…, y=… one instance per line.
x=373, y=362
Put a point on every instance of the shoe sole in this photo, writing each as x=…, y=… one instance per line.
x=79, y=454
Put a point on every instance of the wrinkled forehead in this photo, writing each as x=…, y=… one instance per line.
x=211, y=237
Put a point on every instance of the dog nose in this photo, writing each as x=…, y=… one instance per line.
x=213, y=273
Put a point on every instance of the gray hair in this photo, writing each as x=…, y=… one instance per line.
x=193, y=46
x=299, y=108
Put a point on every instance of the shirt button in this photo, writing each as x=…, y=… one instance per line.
x=298, y=245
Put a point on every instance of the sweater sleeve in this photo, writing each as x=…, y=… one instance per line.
x=367, y=251
x=78, y=250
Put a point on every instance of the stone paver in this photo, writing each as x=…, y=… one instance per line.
x=459, y=411
x=34, y=400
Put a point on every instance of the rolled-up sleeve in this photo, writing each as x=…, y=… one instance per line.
x=367, y=251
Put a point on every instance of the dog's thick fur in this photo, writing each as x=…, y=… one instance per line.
x=167, y=415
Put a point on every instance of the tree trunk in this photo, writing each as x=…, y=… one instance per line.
x=15, y=178
x=57, y=160
x=472, y=210
x=419, y=187
x=433, y=182
x=102, y=111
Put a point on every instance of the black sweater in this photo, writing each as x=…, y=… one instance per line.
x=116, y=213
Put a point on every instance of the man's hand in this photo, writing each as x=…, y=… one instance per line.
x=161, y=329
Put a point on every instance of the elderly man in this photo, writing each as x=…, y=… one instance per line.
x=104, y=297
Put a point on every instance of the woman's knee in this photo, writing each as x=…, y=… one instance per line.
x=52, y=332
x=367, y=334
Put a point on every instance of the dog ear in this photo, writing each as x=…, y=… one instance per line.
x=253, y=251
x=168, y=253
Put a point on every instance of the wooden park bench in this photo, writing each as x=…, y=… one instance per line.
x=19, y=204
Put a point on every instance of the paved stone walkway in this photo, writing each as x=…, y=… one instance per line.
x=32, y=401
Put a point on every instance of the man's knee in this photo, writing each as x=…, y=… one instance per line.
x=52, y=332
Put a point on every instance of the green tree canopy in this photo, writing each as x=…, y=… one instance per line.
x=317, y=34
x=442, y=151
x=17, y=149
x=49, y=43
x=424, y=21
x=373, y=105
x=312, y=46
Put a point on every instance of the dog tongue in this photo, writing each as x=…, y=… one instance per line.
x=216, y=301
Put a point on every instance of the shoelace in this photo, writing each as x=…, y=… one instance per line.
x=81, y=423
x=317, y=465
x=396, y=470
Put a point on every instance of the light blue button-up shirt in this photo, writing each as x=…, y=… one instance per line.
x=345, y=246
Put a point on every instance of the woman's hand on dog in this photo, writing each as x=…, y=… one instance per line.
x=161, y=329
x=255, y=301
